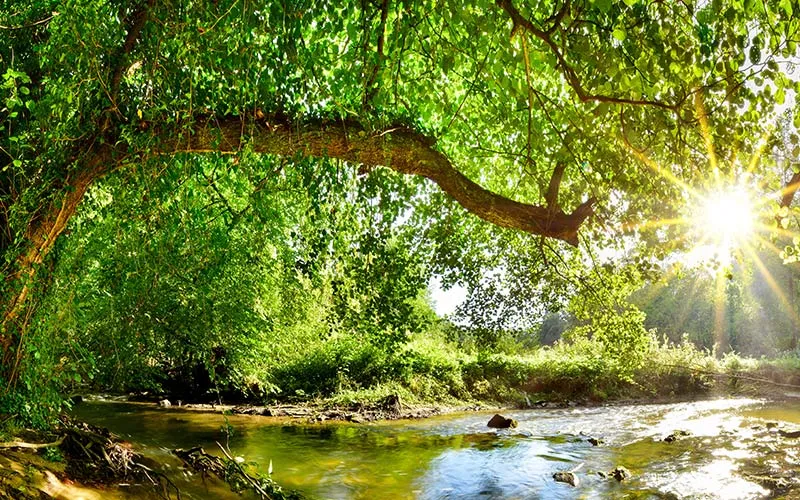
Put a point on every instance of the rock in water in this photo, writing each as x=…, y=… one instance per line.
x=596, y=441
x=620, y=473
x=501, y=422
x=164, y=403
x=676, y=436
x=566, y=477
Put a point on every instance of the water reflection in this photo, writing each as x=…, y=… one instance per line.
x=457, y=456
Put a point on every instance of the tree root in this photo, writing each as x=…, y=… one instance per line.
x=95, y=454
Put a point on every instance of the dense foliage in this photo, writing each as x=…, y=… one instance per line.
x=254, y=196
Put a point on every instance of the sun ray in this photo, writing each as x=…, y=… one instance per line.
x=665, y=173
x=789, y=188
x=756, y=157
x=776, y=288
x=768, y=244
x=683, y=314
x=720, y=302
x=778, y=231
x=658, y=223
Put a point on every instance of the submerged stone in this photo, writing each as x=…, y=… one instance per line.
x=595, y=441
x=566, y=477
x=500, y=422
x=676, y=436
x=620, y=473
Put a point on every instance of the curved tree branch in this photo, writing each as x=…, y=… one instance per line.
x=399, y=149
x=521, y=22
x=43, y=232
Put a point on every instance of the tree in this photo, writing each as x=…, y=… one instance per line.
x=528, y=117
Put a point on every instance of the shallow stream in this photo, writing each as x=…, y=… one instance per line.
x=729, y=450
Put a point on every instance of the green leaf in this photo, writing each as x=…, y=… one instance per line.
x=786, y=5
x=603, y=5
x=619, y=34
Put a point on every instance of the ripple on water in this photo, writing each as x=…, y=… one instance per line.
x=458, y=456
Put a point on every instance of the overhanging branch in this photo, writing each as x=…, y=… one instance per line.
x=399, y=149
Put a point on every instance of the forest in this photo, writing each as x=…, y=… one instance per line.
x=236, y=201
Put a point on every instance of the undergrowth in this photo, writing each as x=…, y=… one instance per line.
x=436, y=372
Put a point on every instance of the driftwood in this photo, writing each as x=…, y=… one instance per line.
x=32, y=446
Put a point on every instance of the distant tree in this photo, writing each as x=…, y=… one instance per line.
x=553, y=326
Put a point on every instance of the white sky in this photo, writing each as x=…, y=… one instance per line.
x=445, y=301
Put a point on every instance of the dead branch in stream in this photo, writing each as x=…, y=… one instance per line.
x=231, y=471
x=96, y=454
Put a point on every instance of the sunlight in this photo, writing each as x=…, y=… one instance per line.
x=727, y=218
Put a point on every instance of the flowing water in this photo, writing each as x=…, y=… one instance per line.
x=458, y=456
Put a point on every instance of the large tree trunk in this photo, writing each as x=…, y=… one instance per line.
x=41, y=235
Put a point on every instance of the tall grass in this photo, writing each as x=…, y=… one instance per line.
x=429, y=371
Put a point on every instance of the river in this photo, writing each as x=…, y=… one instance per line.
x=458, y=456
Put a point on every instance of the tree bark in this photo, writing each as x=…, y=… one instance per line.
x=43, y=232
x=789, y=190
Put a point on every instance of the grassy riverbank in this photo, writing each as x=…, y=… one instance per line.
x=434, y=373
x=429, y=377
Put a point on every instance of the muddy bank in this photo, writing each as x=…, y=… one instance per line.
x=389, y=408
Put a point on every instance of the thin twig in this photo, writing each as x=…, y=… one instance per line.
x=30, y=25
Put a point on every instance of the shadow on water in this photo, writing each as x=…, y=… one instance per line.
x=457, y=456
